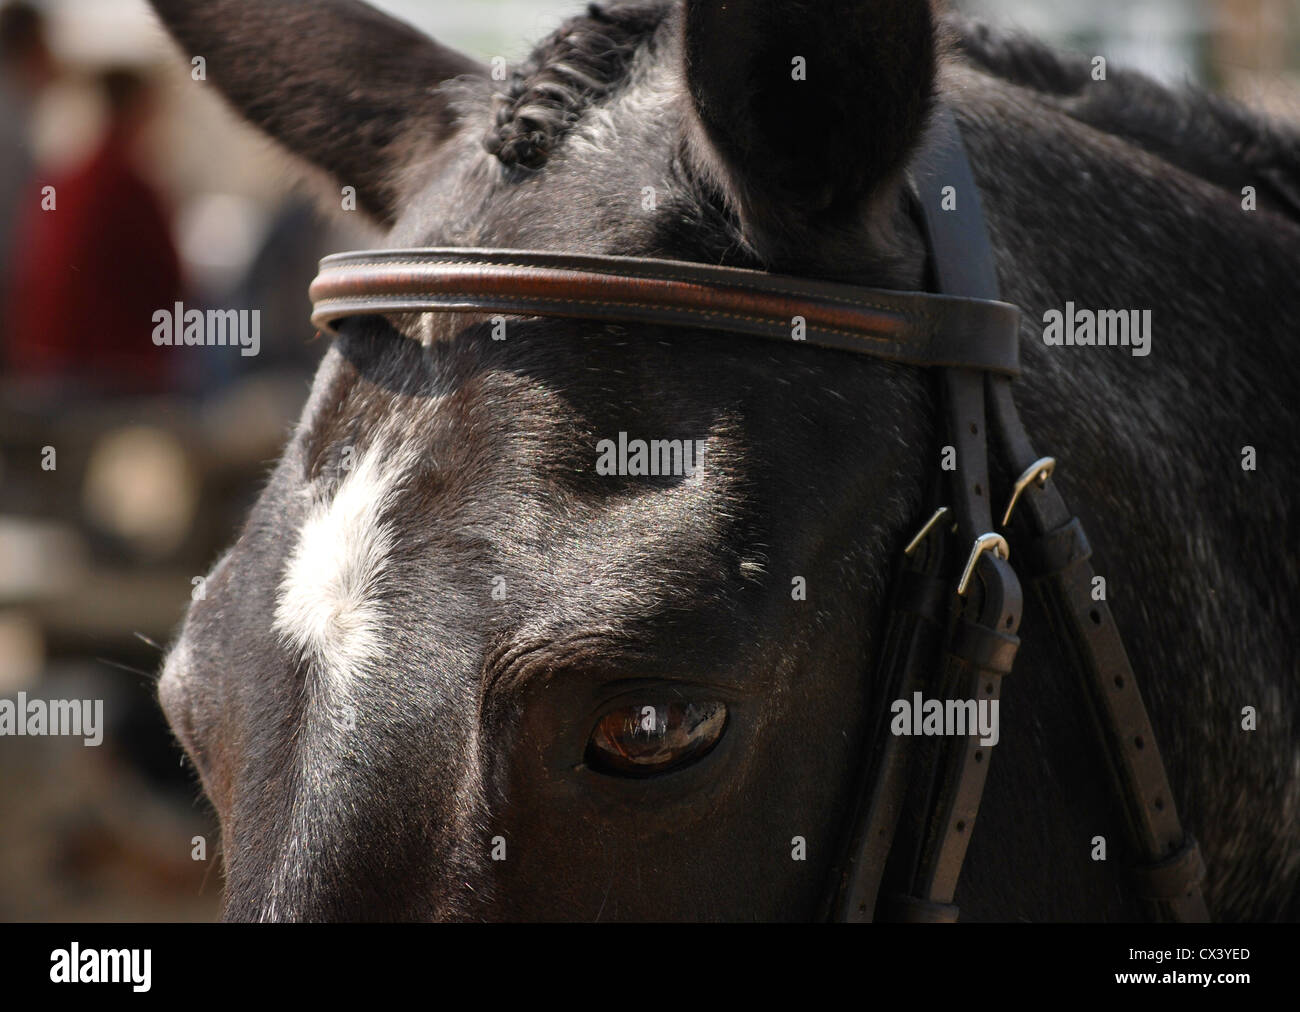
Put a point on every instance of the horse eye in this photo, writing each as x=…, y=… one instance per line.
x=640, y=741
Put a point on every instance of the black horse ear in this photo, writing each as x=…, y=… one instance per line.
x=338, y=83
x=809, y=105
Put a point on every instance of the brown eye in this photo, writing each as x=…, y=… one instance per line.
x=650, y=738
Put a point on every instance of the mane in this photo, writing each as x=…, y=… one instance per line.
x=1204, y=134
x=587, y=58
x=584, y=60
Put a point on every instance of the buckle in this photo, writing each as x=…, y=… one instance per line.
x=995, y=543
x=1039, y=471
x=924, y=532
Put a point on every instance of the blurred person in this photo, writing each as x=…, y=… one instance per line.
x=26, y=69
x=95, y=267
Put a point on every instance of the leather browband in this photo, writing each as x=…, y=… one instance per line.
x=910, y=327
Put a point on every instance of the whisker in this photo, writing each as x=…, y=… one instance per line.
x=145, y=639
x=126, y=667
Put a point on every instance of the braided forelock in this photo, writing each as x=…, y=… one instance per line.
x=583, y=61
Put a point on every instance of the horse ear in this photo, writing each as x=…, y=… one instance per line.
x=338, y=83
x=809, y=106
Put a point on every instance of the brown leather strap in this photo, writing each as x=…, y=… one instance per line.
x=926, y=851
x=1172, y=880
x=918, y=620
x=1087, y=629
x=910, y=327
x=1171, y=868
x=982, y=644
x=981, y=653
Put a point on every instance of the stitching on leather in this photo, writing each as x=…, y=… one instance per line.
x=750, y=285
x=380, y=300
x=924, y=312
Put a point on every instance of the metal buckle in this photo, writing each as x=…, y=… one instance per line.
x=1039, y=471
x=924, y=532
x=984, y=543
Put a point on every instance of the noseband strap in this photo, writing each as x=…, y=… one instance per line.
x=956, y=603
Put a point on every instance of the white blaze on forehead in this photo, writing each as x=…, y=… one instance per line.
x=328, y=605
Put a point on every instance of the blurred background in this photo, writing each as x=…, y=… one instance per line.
x=126, y=468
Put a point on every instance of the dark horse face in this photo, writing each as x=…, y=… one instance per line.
x=453, y=668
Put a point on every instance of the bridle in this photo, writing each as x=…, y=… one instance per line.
x=956, y=603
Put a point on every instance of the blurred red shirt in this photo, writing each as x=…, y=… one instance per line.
x=88, y=276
